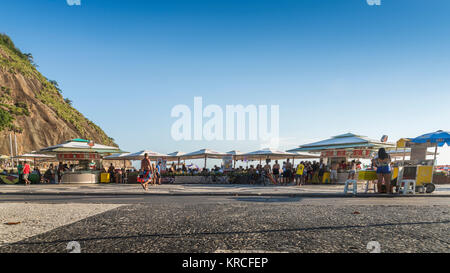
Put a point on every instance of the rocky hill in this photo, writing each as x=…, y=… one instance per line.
x=32, y=107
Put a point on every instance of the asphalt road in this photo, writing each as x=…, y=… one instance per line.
x=246, y=224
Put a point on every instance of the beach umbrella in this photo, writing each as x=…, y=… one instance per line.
x=33, y=156
x=117, y=157
x=204, y=153
x=175, y=156
x=140, y=155
x=268, y=153
x=439, y=138
x=237, y=155
x=300, y=155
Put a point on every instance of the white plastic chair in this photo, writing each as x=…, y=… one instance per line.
x=366, y=187
x=407, y=186
x=355, y=186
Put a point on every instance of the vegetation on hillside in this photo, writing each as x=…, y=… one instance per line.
x=12, y=60
x=10, y=109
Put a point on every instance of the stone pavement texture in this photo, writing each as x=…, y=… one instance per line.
x=19, y=221
x=200, y=224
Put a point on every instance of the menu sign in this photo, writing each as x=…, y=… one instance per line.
x=78, y=156
x=361, y=153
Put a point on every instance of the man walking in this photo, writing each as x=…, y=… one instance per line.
x=146, y=170
x=26, y=173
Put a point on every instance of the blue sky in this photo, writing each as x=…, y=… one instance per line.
x=333, y=66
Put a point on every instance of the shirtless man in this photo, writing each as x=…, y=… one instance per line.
x=146, y=169
x=276, y=171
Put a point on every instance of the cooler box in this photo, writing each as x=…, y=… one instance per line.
x=104, y=178
x=424, y=175
x=367, y=175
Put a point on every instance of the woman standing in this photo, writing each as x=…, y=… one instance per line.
x=383, y=170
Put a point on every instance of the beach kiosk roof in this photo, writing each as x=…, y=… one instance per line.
x=343, y=142
x=81, y=145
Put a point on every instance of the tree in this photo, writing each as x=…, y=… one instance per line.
x=68, y=101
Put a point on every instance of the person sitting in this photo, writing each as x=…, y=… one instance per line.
x=49, y=175
x=38, y=173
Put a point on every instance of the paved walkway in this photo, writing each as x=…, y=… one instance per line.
x=196, y=189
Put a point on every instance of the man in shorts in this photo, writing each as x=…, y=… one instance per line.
x=146, y=170
x=26, y=173
x=158, y=173
x=276, y=171
x=299, y=174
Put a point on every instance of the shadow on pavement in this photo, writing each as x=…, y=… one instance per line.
x=180, y=235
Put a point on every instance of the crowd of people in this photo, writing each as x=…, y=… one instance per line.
x=279, y=174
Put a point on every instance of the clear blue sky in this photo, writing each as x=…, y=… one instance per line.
x=333, y=66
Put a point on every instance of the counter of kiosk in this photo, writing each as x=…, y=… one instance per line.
x=81, y=177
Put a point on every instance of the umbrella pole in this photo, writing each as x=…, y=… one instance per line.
x=434, y=162
x=435, y=153
x=205, y=161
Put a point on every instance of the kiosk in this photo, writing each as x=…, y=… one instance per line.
x=84, y=159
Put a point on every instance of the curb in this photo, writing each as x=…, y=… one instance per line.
x=292, y=195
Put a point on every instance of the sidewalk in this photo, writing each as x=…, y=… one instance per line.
x=199, y=190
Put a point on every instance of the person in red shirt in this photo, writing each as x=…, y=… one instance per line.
x=26, y=173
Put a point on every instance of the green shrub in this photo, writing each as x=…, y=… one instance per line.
x=6, y=120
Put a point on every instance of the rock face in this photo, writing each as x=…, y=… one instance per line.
x=32, y=107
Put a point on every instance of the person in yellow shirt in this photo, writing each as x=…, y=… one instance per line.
x=299, y=174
